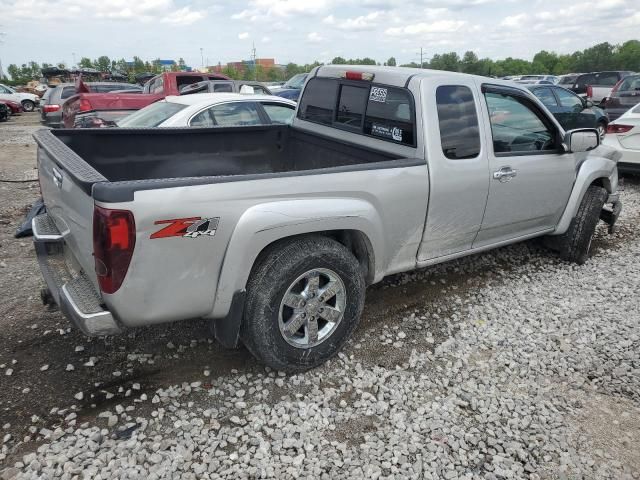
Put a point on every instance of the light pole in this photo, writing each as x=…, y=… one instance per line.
x=202, y=57
x=74, y=59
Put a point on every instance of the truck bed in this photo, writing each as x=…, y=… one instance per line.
x=147, y=154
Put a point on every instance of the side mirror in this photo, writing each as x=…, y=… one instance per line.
x=581, y=140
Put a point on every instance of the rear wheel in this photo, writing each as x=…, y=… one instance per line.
x=28, y=105
x=304, y=299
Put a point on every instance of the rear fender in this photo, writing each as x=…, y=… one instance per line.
x=601, y=169
x=264, y=224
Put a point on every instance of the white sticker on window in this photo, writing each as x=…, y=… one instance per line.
x=378, y=94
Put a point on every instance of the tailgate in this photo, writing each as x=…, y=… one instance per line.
x=66, y=181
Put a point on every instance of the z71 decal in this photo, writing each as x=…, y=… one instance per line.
x=192, y=227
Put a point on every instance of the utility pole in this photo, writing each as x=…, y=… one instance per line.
x=255, y=65
x=202, y=57
x=2, y=34
x=421, y=56
x=74, y=59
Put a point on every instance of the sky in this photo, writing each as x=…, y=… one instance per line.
x=305, y=31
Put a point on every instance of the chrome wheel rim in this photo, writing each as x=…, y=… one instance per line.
x=312, y=308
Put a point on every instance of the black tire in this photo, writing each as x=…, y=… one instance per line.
x=275, y=271
x=574, y=245
x=28, y=105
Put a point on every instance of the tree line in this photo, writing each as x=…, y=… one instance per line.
x=603, y=56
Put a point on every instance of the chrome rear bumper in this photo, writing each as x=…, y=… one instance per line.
x=74, y=293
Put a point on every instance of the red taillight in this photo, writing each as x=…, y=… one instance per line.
x=589, y=91
x=114, y=238
x=618, y=128
x=50, y=108
x=350, y=75
x=85, y=105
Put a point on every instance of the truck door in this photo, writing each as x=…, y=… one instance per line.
x=458, y=166
x=530, y=176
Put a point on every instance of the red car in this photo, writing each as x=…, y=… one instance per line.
x=91, y=110
x=15, y=107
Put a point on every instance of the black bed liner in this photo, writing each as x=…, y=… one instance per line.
x=114, y=163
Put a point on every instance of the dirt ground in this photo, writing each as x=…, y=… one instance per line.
x=38, y=344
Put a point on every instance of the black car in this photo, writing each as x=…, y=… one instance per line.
x=571, y=110
x=624, y=95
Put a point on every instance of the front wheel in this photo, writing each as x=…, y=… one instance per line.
x=28, y=105
x=304, y=299
x=575, y=243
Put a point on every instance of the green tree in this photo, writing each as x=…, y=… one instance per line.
x=391, y=62
x=446, y=61
x=103, y=63
x=469, y=62
x=338, y=61
x=231, y=72
x=627, y=56
x=85, y=62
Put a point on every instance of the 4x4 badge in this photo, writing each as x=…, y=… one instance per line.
x=192, y=227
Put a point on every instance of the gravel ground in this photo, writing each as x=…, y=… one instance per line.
x=509, y=364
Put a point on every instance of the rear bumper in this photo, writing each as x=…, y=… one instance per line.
x=72, y=291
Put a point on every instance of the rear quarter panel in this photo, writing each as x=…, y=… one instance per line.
x=178, y=278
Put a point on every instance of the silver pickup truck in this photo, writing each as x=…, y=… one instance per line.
x=274, y=232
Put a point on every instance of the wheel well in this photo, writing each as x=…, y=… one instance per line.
x=354, y=240
x=602, y=182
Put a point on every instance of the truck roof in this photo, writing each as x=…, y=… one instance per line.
x=397, y=76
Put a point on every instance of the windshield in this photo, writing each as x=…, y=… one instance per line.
x=297, y=81
x=151, y=116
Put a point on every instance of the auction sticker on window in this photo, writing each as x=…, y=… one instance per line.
x=378, y=94
x=385, y=131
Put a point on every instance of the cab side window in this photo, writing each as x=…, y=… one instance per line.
x=569, y=100
x=517, y=127
x=458, y=122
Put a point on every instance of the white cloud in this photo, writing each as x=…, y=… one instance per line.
x=243, y=35
x=144, y=11
x=269, y=9
x=363, y=22
x=265, y=39
x=330, y=20
x=514, y=21
x=442, y=26
x=314, y=37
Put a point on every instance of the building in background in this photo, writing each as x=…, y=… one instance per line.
x=244, y=65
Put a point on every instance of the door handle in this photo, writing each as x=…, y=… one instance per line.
x=505, y=174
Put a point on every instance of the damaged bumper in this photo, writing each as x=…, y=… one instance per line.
x=72, y=291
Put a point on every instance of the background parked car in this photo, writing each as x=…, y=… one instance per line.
x=571, y=110
x=624, y=135
x=292, y=87
x=624, y=95
x=552, y=79
x=29, y=101
x=53, y=99
x=568, y=80
x=597, y=86
x=212, y=110
x=225, y=86
x=14, y=107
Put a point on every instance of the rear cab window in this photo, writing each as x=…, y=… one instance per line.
x=379, y=111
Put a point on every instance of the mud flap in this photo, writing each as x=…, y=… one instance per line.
x=610, y=212
x=227, y=330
